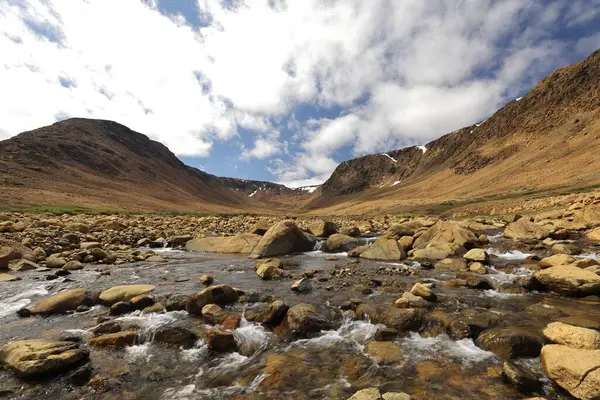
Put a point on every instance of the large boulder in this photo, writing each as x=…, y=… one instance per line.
x=124, y=293
x=510, y=342
x=323, y=228
x=556, y=260
x=62, y=302
x=10, y=250
x=569, y=280
x=338, y=243
x=404, y=229
x=35, y=358
x=593, y=235
x=524, y=229
x=218, y=294
x=385, y=249
x=303, y=320
x=572, y=336
x=401, y=319
x=242, y=243
x=443, y=239
x=283, y=238
x=575, y=370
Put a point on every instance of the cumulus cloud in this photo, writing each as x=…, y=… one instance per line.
x=396, y=72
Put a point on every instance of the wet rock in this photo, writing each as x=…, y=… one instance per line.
x=386, y=334
x=124, y=293
x=338, y=243
x=384, y=352
x=175, y=335
x=177, y=302
x=55, y=262
x=81, y=375
x=572, y=336
x=72, y=266
x=62, y=272
x=142, y=301
x=424, y=291
x=524, y=229
x=283, y=238
x=385, y=249
x=274, y=314
x=303, y=320
x=231, y=321
x=220, y=341
x=269, y=269
x=24, y=313
x=243, y=243
x=218, y=294
x=470, y=323
x=409, y=300
x=401, y=319
x=479, y=255
x=478, y=268
x=213, y=313
x=34, y=358
x=323, y=228
x=114, y=340
x=156, y=259
x=302, y=285
x=524, y=380
x=121, y=307
x=8, y=278
x=575, y=370
x=510, y=342
x=69, y=300
x=107, y=327
x=569, y=281
x=566, y=248
x=206, y=280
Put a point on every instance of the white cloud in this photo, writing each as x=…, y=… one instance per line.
x=424, y=67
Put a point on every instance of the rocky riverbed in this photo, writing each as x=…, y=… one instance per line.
x=249, y=307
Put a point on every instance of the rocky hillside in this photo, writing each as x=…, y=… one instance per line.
x=548, y=139
x=103, y=164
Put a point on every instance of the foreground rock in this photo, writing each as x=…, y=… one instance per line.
x=338, y=243
x=384, y=249
x=36, y=358
x=572, y=336
x=303, y=320
x=575, y=370
x=124, y=293
x=443, y=239
x=69, y=300
x=283, y=238
x=10, y=250
x=243, y=243
x=570, y=281
x=509, y=343
x=524, y=229
x=218, y=294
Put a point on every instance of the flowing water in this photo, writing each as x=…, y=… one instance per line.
x=331, y=365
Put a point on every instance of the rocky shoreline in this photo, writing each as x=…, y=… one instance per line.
x=245, y=307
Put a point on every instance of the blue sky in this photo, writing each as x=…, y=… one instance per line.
x=281, y=90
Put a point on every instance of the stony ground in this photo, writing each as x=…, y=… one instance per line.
x=516, y=294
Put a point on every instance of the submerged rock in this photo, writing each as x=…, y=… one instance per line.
x=510, y=342
x=384, y=352
x=302, y=285
x=34, y=358
x=522, y=379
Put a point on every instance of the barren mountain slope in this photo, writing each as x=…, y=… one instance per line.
x=547, y=140
x=102, y=164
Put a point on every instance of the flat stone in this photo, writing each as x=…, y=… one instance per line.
x=124, y=293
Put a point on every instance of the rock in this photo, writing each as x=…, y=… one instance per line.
x=24, y=265
x=220, y=341
x=593, y=235
x=270, y=269
x=366, y=394
x=437, y=251
x=120, y=307
x=525, y=381
x=451, y=264
x=35, y=358
x=8, y=278
x=302, y=285
x=406, y=242
x=72, y=266
x=206, y=280
x=566, y=248
x=556, y=260
x=423, y=291
x=177, y=302
x=446, y=236
x=213, y=313
x=175, y=335
x=98, y=253
x=107, y=327
x=524, y=229
x=569, y=281
x=575, y=370
x=409, y=300
x=283, y=238
x=62, y=302
x=479, y=282
x=156, y=259
x=510, y=342
x=274, y=314
x=10, y=250
x=231, y=321
x=179, y=241
x=386, y=334
x=401, y=319
x=89, y=245
x=408, y=228
x=478, y=268
x=357, y=251
x=396, y=396
x=353, y=231
x=572, y=336
x=386, y=249
x=55, y=262
x=259, y=229
x=114, y=340
x=384, y=352
x=142, y=301
x=303, y=320
x=479, y=255
x=243, y=243
x=339, y=243
x=81, y=375
x=470, y=323
x=323, y=228
x=124, y=293
x=218, y=294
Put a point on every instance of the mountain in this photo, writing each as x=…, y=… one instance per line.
x=546, y=141
x=105, y=165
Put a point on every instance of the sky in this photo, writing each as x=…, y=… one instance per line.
x=281, y=90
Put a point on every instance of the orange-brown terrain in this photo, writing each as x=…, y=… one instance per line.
x=543, y=144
